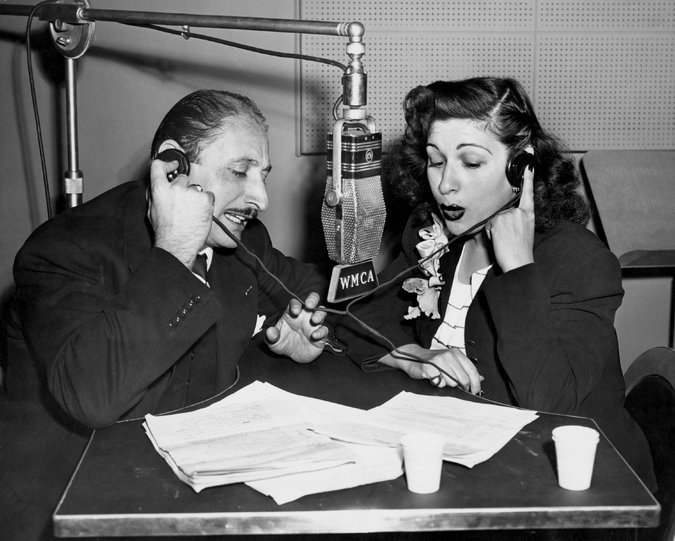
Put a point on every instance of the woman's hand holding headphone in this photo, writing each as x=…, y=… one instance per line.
x=512, y=231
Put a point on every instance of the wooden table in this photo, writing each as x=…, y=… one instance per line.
x=122, y=487
x=634, y=193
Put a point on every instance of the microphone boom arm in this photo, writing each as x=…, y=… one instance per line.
x=72, y=25
x=78, y=12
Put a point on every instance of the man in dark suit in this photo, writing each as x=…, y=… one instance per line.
x=110, y=312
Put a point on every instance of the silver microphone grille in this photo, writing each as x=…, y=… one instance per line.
x=353, y=229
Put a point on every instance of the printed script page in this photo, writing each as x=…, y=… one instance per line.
x=242, y=438
x=286, y=445
x=473, y=431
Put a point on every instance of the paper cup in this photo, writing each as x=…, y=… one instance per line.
x=575, y=455
x=423, y=461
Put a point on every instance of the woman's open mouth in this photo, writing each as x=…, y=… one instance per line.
x=452, y=212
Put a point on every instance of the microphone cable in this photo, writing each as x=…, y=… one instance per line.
x=182, y=33
x=189, y=34
x=393, y=350
x=408, y=356
x=347, y=311
x=36, y=112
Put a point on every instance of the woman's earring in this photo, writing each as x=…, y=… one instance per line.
x=515, y=189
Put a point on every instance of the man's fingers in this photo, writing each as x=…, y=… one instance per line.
x=320, y=334
x=312, y=301
x=272, y=335
x=159, y=175
x=294, y=307
x=160, y=169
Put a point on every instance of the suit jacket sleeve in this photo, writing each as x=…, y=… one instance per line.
x=102, y=333
x=554, y=322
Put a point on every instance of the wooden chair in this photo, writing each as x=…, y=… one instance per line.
x=650, y=399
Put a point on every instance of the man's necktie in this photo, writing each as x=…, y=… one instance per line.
x=199, y=267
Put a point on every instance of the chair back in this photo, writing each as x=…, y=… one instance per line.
x=650, y=399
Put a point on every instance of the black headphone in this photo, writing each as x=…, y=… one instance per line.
x=515, y=167
x=173, y=154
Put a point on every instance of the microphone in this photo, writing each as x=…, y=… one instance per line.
x=353, y=213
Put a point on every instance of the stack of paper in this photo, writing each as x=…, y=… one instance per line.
x=286, y=446
x=242, y=438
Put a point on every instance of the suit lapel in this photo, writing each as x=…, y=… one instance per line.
x=448, y=264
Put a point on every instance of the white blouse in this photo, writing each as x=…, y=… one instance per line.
x=451, y=331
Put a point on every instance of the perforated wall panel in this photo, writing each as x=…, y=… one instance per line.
x=601, y=74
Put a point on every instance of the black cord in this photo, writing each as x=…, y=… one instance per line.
x=336, y=107
x=262, y=265
x=194, y=404
x=443, y=248
x=237, y=45
x=38, y=128
x=184, y=34
x=393, y=350
x=204, y=37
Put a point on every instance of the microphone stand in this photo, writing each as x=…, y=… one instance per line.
x=72, y=24
x=73, y=180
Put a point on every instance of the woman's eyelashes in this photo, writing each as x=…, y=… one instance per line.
x=471, y=160
x=469, y=164
x=434, y=158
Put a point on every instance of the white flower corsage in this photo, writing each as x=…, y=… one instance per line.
x=428, y=289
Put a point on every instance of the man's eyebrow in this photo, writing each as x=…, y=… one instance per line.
x=248, y=162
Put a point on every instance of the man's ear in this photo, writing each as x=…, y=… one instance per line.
x=169, y=143
x=170, y=151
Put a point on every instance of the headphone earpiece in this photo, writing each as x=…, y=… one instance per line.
x=515, y=168
x=173, y=154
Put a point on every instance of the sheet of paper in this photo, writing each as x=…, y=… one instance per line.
x=473, y=431
x=371, y=465
x=241, y=438
x=286, y=445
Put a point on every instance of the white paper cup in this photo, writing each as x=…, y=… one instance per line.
x=423, y=461
x=575, y=455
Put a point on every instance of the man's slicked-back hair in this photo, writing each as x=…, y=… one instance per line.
x=199, y=117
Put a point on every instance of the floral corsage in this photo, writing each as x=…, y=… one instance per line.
x=428, y=289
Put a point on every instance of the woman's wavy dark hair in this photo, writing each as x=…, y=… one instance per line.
x=502, y=105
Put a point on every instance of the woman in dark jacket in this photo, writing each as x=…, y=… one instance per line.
x=507, y=293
